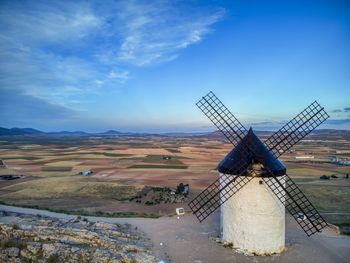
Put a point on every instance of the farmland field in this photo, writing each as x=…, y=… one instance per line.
x=123, y=167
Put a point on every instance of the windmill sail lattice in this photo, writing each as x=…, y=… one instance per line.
x=296, y=129
x=297, y=204
x=287, y=192
x=222, y=118
x=216, y=194
x=222, y=189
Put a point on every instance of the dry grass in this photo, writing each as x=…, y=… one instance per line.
x=62, y=187
x=56, y=168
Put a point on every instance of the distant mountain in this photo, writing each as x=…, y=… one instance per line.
x=111, y=132
x=19, y=131
x=30, y=131
x=73, y=133
x=329, y=134
x=322, y=134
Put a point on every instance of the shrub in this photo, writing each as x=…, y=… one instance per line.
x=12, y=242
x=228, y=245
x=52, y=259
x=180, y=188
x=132, y=250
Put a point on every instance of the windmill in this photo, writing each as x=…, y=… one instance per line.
x=254, y=218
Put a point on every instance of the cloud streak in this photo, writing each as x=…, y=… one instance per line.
x=16, y=107
x=63, y=52
x=153, y=33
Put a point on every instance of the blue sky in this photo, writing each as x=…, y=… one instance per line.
x=142, y=65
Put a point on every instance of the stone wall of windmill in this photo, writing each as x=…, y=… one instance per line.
x=254, y=220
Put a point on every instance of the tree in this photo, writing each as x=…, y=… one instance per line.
x=180, y=188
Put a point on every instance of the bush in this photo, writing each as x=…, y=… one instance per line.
x=180, y=188
x=12, y=242
x=228, y=245
x=52, y=259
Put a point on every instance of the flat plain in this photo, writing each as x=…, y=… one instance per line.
x=124, y=166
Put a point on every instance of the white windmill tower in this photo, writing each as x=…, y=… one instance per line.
x=254, y=218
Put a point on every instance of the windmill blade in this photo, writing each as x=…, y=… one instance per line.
x=216, y=194
x=220, y=190
x=295, y=130
x=222, y=118
x=297, y=204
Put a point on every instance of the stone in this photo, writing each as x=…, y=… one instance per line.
x=25, y=253
x=74, y=249
x=12, y=251
x=3, y=257
x=49, y=249
x=75, y=242
x=33, y=247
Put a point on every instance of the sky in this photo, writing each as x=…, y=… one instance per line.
x=142, y=65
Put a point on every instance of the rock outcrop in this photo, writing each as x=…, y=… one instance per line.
x=28, y=238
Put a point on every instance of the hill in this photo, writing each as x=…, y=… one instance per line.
x=19, y=131
x=322, y=134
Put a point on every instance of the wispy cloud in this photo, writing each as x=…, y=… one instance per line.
x=347, y=109
x=60, y=52
x=44, y=23
x=121, y=75
x=338, y=121
x=153, y=33
x=15, y=107
x=336, y=111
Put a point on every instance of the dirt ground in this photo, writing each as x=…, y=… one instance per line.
x=185, y=240
x=51, y=167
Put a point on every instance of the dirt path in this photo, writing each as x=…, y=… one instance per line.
x=185, y=240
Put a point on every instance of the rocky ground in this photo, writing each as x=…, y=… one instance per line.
x=35, y=238
x=184, y=240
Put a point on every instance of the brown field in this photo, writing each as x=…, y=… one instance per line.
x=123, y=166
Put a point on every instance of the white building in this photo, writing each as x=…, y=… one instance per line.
x=254, y=218
x=87, y=172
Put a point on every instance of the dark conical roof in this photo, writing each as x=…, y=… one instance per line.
x=251, y=150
